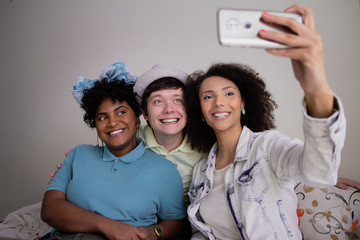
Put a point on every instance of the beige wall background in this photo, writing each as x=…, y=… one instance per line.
x=46, y=44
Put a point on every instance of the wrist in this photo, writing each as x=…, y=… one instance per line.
x=157, y=231
x=322, y=105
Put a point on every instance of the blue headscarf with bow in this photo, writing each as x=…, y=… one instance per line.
x=116, y=72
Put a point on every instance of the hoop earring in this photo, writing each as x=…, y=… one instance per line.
x=101, y=149
x=97, y=141
x=243, y=111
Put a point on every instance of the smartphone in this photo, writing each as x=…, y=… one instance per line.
x=240, y=28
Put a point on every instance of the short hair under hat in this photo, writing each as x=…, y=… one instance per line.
x=156, y=72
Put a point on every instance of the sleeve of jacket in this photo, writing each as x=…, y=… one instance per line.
x=324, y=140
x=316, y=160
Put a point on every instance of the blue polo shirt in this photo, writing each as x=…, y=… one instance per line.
x=137, y=188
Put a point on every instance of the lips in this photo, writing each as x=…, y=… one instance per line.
x=116, y=132
x=221, y=114
x=169, y=120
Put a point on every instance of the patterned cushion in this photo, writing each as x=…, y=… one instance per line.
x=328, y=213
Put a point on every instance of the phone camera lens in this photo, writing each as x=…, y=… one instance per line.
x=247, y=25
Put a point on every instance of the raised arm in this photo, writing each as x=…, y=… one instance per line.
x=307, y=58
x=323, y=142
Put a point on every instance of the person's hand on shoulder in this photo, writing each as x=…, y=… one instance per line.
x=58, y=166
x=52, y=175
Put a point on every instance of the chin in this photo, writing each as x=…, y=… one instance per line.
x=174, y=131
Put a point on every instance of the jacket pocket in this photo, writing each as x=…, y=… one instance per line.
x=252, y=183
x=195, y=191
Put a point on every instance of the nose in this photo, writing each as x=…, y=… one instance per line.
x=168, y=107
x=113, y=121
x=219, y=101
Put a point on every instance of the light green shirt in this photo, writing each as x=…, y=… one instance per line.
x=183, y=156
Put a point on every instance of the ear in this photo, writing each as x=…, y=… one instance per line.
x=144, y=115
x=138, y=122
x=242, y=104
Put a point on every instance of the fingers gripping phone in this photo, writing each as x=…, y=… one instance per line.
x=239, y=28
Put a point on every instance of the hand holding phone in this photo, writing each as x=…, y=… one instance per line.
x=239, y=28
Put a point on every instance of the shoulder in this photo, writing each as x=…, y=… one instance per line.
x=83, y=150
x=82, y=147
x=158, y=159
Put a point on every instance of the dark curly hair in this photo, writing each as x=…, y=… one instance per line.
x=259, y=104
x=94, y=96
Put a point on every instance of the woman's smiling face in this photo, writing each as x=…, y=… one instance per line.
x=221, y=103
x=116, y=125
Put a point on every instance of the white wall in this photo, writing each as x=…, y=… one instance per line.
x=46, y=44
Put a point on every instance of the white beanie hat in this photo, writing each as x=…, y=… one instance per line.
x=156, y=72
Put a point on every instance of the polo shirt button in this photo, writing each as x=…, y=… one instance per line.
x=115, y=169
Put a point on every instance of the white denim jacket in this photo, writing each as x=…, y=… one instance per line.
x=260, y=183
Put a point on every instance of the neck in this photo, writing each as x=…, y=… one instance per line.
x=119, y=152
x=169, y=142
x=227, y=143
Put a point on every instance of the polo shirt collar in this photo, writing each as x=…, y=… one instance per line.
x=130, y=157
x=152, y=143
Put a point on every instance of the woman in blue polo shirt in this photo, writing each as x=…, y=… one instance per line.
x=120, y=190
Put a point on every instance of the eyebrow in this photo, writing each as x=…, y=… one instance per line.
x=227, y=87
x=104, y=113
x=224, y=88
x=161, y=96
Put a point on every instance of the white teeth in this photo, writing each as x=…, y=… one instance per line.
x=116, y=132
x=221, y=115
x=169, y=120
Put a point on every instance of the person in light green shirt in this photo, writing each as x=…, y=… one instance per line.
x=160, y=92
x=161, y=95
x=183, y=156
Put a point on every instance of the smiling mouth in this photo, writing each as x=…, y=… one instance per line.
x=169, y=120
x=221, y=115
x=116, y=132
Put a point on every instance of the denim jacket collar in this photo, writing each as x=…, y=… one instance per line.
x=241, y=153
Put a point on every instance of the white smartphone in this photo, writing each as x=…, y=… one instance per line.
x=240, y=28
